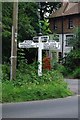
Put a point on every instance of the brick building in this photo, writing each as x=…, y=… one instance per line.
x=63, y=22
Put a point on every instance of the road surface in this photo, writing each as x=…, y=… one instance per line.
x=54, y=108
x=73, y=85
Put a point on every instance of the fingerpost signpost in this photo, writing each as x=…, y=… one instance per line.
x=42, y=43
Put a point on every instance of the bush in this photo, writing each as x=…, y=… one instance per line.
x=29, y=86
x=72, y=64
x=5, y=72
x=73, y=58
x=61, y=68
x=0, y=92
x=76, y=73
x=32, y=77
x=31, y=91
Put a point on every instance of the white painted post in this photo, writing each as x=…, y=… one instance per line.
x=40, y=45
x=40, y=57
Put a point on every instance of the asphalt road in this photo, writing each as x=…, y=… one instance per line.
x=55, y=108
x=73, y=84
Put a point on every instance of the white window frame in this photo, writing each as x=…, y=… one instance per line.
x=68, y=37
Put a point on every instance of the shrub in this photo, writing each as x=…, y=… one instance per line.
x=5, y=72
x=0, y=92
x=73, y=58
x=31, y=91
x=60, y=68
x=29, y=86
x=76, y=73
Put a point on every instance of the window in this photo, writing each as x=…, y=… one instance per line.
x=60, y=57
x=68, y=40
x=56, y=37
x=55, y=25
x=70, y=23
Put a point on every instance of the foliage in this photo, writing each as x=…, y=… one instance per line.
x=73, y=58
x=60, y=68
x=27, y=25
x=6, y=30
x=55, y=37
x=45, y=27
x=29, y=86
x=48, y=7
x=26, y=28
x=5, y=72
x=31, y=91
x=76, y=39
x=0, y=91
x=0, y=82
x=76, y=73
x=27, y=22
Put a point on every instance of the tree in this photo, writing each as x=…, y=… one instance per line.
x=27, y=25
x=73, y=58
x=28, y=22
x=6, y=30
x=45, y=27
x=76, y=40
x=48, y=7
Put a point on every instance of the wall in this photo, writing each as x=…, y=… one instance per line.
x=66, y=30
x=76, y=22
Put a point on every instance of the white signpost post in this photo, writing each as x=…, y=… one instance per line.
x=42, y=43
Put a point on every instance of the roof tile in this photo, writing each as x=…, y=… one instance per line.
x=66, y=9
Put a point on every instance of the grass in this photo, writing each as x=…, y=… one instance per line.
x=32, y=91
x=29, y=86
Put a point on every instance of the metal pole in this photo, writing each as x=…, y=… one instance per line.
x=14, y=41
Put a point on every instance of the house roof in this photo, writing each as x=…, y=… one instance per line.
x=66, y=9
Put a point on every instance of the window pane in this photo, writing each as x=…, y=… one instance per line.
x=68, y=39
x=55, y=25
x=70, y=23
